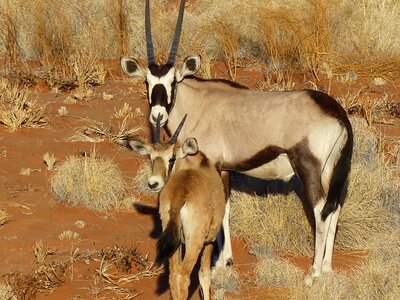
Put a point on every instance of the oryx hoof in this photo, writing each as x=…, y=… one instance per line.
x=309, y=280
x=229, y=262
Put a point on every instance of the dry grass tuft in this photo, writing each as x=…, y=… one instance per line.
x=41, y=251
x=277, y=272
x=275, y=221
x=16, y=110
x=45, y=280
x=226, y=279
x=377, y=277
x=4, y=217
x=98, y=132
x=6, y=292
x=49, y=160
x=332, y=286
x=92, y=182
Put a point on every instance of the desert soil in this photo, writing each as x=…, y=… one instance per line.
x=36, y=215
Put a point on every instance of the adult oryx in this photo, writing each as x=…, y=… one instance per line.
x=268, y=135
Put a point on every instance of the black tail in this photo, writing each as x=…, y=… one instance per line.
x=169, y=241
x=338, y=186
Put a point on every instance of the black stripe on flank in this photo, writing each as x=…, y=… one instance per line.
x=262, y=157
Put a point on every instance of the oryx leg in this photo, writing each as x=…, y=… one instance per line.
x=321, y=233
x=205, y=271
x=224, y=243
x=327, y=261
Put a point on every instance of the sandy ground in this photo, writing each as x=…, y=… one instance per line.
x=35, y=214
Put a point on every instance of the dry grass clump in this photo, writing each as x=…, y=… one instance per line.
x=4, y=217
x=97, y=132
x=225, y=278
x=92, y=182
x=378, y=278
x=277, y=272
x=44, y=280
x=276, y=221
x=41, y=251
x=16, y=110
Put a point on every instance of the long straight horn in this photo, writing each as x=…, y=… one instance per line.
x=178, y=130
x=157, y=133
x=178, y=30
x=149, y=40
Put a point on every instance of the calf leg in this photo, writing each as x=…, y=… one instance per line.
x=193, y=249
x=205, y=271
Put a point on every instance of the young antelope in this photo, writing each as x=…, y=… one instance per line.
x=191, y=206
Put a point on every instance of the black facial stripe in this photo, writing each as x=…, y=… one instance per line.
x=159, y=96
x=160, y=71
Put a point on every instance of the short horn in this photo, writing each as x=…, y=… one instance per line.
x=178, y=30
x=149, y=40
x=174, y=138
x=157, y=133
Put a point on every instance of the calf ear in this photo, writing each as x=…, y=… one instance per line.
x=140, y=148
x=190, y=146
x=132, y=68
x=190, y=66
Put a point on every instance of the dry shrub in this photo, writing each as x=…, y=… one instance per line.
x=92, y=182
x=378, y=278
x=44, y=280
x=332, y=286
x=276, y=221
x=4, y=216
x=6, y=292
x=97, y=131
x=16, y=110
x=226, y=279
x=277, y=272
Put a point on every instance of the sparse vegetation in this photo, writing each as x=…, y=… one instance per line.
x=16, y=110
x=3, y=217
x=89, y=181
x=49, y=160
x=97, y=132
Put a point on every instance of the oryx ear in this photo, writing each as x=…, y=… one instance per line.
x=190, y=146
x=190, y=66
x=140, y=148
x=132, y=68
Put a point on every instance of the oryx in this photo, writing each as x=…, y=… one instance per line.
x=268, y=135
x=191, y=206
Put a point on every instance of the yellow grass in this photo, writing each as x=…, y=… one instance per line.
x=359, y=36
x=92, y=182
x=16, y=110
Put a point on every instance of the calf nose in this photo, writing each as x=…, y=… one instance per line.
x=153, y=186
